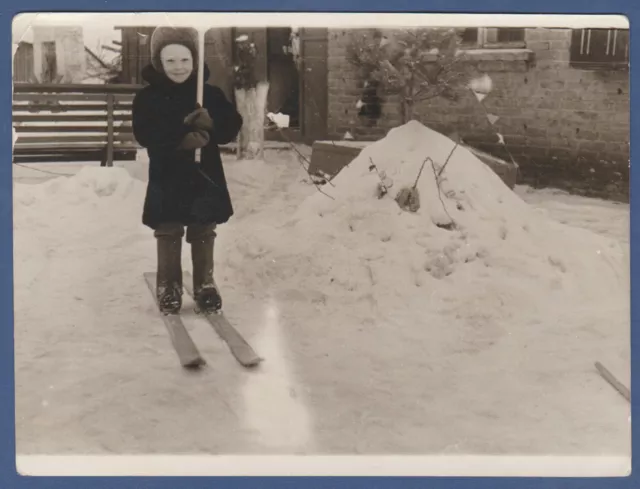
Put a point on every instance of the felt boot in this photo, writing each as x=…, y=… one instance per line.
x=205, y=292
x=169, y=276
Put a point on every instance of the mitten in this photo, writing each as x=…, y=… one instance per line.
x=200, y=119
x=194, y=140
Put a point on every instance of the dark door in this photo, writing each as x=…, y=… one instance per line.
x=257, y=35
x=219, y=58
x=284, y=79
x=314, y=90
x=136, y=52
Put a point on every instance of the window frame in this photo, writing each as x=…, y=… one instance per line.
x=584, y=56
x=487, y=38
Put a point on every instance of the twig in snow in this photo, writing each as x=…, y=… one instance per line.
x=370, y=272
x=301, y=158
x=383, y=187
x=319, y=189
x=447, y=160
x=294, y=148
x=420, y=172
x=435, y=174
x=44, y=171
x=374, y=167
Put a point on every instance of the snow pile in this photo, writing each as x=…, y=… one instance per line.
x=398, y=332
x=89, y=186
x=500, y=257
x=279, y=119
x=82, y=218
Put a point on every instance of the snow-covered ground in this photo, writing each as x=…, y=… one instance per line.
x=381, y=332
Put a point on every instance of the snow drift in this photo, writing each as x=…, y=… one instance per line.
x=77, y=217
x=473, y=243
x=88, y=186
x=399, y=332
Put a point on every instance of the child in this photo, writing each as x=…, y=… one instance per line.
x=182, y=193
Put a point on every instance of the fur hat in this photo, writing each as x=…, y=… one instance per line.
x=165, y=35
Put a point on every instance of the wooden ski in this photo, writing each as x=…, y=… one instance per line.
x=183, y=344
x=240, y=349
x=615, y=383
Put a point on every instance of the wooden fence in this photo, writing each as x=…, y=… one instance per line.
x=82, y=122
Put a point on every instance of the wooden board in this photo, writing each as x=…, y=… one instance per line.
x=240, y=349
x=73, y=156
x=219, y=45
x=64, y=138
x=617, y=385
x=58, y=147
x=183, y=344
x=72, y=128
x=80, y=97
x=314, y=108
x=69, y=117
x=81, y=88
x=98, y=107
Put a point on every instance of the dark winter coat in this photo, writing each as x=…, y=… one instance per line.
x=177, y=190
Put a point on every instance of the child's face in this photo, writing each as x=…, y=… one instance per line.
x=177, y=62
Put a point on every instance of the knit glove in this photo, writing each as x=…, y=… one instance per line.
x=200, y=119
x=194, y=140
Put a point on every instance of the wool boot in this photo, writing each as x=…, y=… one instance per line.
x=205, y=292
x=169, y=278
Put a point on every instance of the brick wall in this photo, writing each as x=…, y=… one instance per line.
x=345, y=89
x=567, y=128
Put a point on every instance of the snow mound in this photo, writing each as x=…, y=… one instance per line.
x=91, y=182
x=473, y=241
x=114, y=182
x=78, y=217
x=466, y=189
x=87, y=186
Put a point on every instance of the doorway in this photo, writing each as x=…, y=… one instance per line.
x=49, y=63
x=283, y=73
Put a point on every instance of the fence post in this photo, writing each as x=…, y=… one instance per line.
x=110, y=137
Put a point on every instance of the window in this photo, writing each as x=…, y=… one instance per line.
x=599, y=49
x=493, y=37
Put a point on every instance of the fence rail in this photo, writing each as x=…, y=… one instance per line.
x=73, y=122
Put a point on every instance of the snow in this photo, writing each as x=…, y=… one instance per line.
x=372, y=247
x=601, y=216
x=279, y=119
x=382, y=332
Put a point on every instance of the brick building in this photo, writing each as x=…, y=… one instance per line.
x=561, y=95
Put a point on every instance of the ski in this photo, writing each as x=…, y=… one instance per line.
x=615, y=383
x=183, y=344
x=240, y=349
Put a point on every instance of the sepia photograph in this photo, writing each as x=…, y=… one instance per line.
x=244, y=243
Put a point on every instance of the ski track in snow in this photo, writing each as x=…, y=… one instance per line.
x=96, y=373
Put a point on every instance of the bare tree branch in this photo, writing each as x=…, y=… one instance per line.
x=301, y=158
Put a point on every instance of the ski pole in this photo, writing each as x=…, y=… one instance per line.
x=199, y=96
